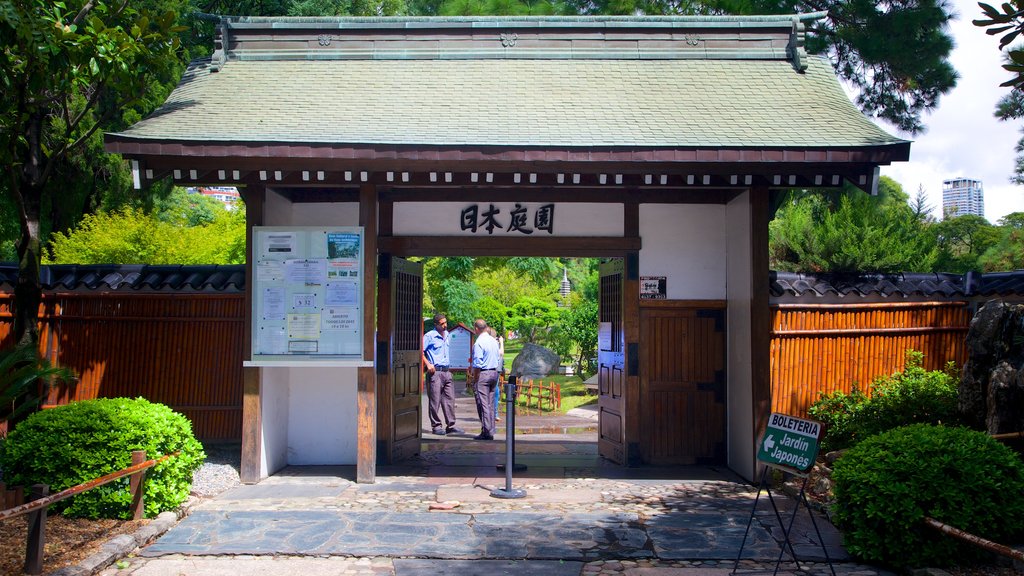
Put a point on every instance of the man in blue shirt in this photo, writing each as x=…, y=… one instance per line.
x=440, y=391
x=486, y=364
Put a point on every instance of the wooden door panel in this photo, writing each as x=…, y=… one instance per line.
x=611, y=364
x=682, y=386
x=406, y=370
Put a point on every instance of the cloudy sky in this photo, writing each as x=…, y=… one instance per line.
x=963, y=138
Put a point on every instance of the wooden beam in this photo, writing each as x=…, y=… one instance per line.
x=366, y=392
x=566, y=246
x=252, y=408
x=760, y=314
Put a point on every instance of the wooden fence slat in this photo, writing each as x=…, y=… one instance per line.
x=827, y=348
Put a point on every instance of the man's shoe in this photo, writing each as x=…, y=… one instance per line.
x=483, y=437
x=454, y=430
x=439, y=431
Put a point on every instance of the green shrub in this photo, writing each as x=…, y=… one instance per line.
x=886, y=485
x=84, y=440
x=913, y=396
x=838, y=411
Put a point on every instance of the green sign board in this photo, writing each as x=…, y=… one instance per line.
x=790, y=442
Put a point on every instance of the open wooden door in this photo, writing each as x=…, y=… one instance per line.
x=611, y=443
x=399, y=358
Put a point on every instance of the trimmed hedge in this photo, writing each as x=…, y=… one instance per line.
x=72, y=444
x=886, y=485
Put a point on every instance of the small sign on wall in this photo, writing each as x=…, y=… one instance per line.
x=652, y=287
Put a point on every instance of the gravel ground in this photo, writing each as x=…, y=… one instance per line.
x=219, y=472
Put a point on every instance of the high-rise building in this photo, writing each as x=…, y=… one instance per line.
x=962, y=196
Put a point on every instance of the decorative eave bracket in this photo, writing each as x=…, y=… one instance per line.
x=795, y=50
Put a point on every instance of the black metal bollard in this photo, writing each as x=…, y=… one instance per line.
x=510, y=432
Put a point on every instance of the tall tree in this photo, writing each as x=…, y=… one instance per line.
x=68, y=69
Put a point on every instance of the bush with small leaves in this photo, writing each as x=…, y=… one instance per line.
x=911, y=396
x=888, y=483
x=68, y=445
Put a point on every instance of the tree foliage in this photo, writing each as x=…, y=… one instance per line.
x=195, y=232
x=1008, y=20
x=961, y=241
x=1007, y=252
x=530, y=316
x=68, y=70
x=850, y=232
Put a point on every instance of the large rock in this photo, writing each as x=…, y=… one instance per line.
x=535, y=361
x=991, y=391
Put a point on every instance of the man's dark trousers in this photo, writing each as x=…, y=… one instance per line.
x=486, y=386
x=441, y=399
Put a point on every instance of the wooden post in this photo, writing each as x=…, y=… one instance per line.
x=36, y=541
x=366, y=386
x=252, y=406
x=760, y=315
x=137, y=485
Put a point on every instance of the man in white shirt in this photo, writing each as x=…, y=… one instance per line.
x=486, y=365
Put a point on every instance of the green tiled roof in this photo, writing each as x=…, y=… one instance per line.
x=679, y=103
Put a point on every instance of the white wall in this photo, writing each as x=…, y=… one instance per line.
x=739, y=400
x=322, y=419
x=325, y=214
x=277, y=210
x=686, y=243
x=273, y=420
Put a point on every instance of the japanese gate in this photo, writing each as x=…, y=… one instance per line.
x=655, y=143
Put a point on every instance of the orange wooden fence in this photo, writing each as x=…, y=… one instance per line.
x=825, y=347
x=185, y=349
x=179, y=349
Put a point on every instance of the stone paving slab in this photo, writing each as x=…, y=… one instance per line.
x=409, y=567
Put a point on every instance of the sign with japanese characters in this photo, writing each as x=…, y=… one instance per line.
x=520, y=219
x=790, y=443
x=511, y=219
x=652, y=287
x=307, y=292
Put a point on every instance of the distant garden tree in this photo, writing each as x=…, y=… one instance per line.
x=961, y=240
x=531, y=316
x=1008, y=251
x=67, y=69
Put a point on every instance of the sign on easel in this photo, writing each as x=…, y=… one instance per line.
x=790, y=443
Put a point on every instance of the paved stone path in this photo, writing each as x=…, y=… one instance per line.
x=585, y=526
x=582, y=516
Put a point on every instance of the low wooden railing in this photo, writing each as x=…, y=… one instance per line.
x=41, y=500
x=543, y=395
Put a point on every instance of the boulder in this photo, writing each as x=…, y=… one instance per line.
x=991, y=394
x=535, y=361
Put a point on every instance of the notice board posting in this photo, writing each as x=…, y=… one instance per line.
x=307, y=292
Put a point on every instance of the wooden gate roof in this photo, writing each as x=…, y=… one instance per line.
x=708, y=91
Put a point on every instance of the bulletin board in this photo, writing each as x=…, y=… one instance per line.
x=460, y=347
x=307, y=293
